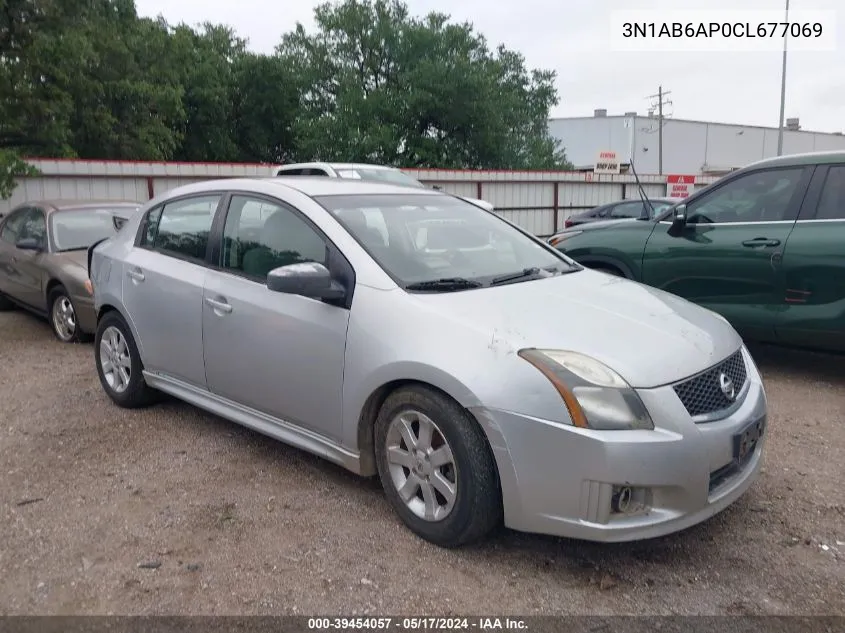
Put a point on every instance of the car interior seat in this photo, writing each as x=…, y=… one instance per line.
x=281, y=244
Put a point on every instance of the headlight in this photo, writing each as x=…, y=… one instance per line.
x=595, y=395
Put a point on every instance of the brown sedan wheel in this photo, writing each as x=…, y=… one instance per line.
x=63, y=317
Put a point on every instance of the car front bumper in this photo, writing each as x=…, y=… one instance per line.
x=563, y=480
x=86, y=315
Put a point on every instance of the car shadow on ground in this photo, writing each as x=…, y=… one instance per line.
x=785, y=361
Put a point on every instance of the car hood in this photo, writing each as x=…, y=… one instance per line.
x=650, y=337
x=70, y=260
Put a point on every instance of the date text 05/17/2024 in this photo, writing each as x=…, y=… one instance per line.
x=417, y=624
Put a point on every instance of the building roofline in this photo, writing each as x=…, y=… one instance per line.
x=719, y=123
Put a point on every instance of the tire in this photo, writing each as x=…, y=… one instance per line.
x=63, y=319
x=6, y=305
x=112, y=344
x=476, y=508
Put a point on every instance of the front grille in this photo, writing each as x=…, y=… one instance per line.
x=703, y=395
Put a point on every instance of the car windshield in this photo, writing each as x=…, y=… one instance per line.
x=660, y=206
x=420, y=238
x=392, y=176
x=77, y=229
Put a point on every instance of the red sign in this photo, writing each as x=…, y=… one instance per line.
x=679, y=186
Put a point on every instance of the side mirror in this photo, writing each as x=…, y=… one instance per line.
x=28, y=244
x=308, y=279
x=679, y=220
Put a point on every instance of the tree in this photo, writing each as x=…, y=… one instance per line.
x=12, y=166
x=378, y=85
x=205, y=60
x=265, y=100
x=80, y=79
x=91, y=79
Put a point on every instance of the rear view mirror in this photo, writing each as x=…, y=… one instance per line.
x=307, y=279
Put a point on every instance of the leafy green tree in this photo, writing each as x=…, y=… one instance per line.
x=12, y=166
x=205, y=61
x=265, y=101
x=378, y=85
x=91, y=79
x=79, y=78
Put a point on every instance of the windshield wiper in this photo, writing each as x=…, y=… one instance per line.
x=444, y=285
x=526, y=272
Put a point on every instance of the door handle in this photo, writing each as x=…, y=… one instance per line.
x=759, y=242
x=135, y=275
x=219, y=304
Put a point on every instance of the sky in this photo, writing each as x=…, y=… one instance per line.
x=573, y=37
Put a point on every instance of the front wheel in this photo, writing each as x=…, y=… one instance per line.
x=437, y=468
x=119, y=364
x=63, y=317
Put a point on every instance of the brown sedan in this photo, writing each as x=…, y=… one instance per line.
x=43, y=259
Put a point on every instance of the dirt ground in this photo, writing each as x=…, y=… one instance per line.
x=171, y=510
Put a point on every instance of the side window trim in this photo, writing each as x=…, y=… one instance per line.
x=810, y=207
x=815, y=195
x=338, y=263
x=206, y=260
x=793, y=206
x=38, y=211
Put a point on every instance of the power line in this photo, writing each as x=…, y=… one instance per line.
x=661, y=102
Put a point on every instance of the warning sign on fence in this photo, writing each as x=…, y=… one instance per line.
x=607, y=163
x=678, y=186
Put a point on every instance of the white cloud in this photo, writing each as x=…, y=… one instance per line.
x=572, y=37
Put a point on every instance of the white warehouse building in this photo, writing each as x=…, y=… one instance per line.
x=689, y=147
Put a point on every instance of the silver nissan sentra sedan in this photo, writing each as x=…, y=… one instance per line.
x=482, y=375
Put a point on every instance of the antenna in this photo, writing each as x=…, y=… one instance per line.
x=643, y=196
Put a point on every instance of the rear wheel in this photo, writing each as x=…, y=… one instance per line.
x=119, y=364
x=436, y=467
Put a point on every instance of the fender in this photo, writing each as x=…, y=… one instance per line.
x=592, y=260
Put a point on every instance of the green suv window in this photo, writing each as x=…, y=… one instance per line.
x=756, y=197
x=832, y=202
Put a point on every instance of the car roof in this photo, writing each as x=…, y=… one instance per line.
x=337, y=166
x=807, y=158
x=312, y=186
x=51, y=206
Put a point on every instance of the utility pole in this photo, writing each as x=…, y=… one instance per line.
x=660, y=103
x=783, y=88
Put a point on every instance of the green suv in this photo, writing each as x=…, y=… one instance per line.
x=764, y=247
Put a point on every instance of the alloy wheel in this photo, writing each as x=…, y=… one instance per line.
x=115, y=359
x=64, y=318
x=421, y=465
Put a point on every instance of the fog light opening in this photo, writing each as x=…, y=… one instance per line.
x=621, y=500
x=630, y=500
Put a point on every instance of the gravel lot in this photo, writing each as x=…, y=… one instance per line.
x=171, y=510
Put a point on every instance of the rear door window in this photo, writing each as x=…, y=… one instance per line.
x=832, y=201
